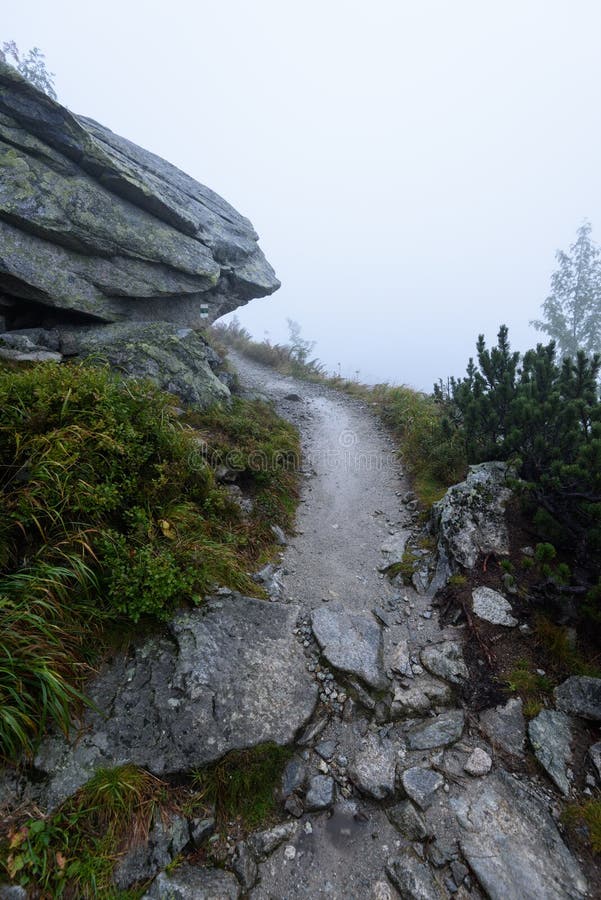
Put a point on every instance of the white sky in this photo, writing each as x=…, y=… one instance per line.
x=411, y=167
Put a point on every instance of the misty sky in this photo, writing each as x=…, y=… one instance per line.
x=411, y=167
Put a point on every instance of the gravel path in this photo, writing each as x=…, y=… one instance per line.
x=390, y=724
x=350, y=499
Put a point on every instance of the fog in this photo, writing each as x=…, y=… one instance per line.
x=411, y=167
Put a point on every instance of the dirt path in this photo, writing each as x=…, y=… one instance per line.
x=349, y=503
x=378, y=785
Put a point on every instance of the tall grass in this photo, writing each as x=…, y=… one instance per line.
x=283, y=357
x=46, y=620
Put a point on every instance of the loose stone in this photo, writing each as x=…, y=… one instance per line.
x=420, y=785
x=320, y=794
x=478, y=763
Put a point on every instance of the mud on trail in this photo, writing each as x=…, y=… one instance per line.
x=395, y=789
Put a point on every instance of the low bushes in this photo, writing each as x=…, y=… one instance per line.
x=545, y=418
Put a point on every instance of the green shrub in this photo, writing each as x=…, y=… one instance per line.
x=144, y=580
x=546, y=419
x=544, y=553
x=561, y=649
x=530, y=685
x=458, y=582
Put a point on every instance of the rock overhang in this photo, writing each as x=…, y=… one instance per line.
x=92, y=223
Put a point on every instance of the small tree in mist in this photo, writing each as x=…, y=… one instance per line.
x=299, y=347
x=572, y=311
x=31, y=65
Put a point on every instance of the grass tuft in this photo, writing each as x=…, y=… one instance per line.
x=589, y=815
x=73, y=852
x=244, y=783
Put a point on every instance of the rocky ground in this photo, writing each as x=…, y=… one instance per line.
x=396, y=789
x=411, y=776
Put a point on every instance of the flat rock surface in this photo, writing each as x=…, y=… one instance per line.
x=505, y=726
x=446, y=661
x=439, y=731
x=399, y=660
x=145, y=859
x=393, y=549
x=492, y=607
x=189, y=882
x=478, y=763
x=321, y=792
x=413, y=878
x=342, y=856
x=594, y=753
x=407, y=818
x=419, y=697
x=551, y=738
x=421, y=784
x=512, y=844
x=374, y=768
x=580, y=695
x=351, y=642
x=230, y=676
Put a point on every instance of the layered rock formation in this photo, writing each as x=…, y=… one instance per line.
x=96, y=230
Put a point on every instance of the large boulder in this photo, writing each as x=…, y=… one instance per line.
x=512, y=844
x=227, y=677
x=95, y=224
x=178, y=359
x=470, y=518
x=94, y=229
